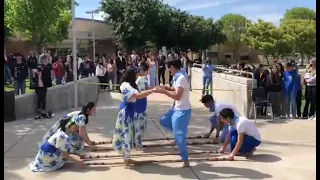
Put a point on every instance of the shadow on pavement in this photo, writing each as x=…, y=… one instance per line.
x=208, y=171
x=265, y=158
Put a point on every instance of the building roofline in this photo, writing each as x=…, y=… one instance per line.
x=95, y=20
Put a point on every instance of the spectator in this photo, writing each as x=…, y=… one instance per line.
x=185, y=62
x=310, y=81
x=44, y=52
x=299, y=96
x=274, y=87
x=291, y=87
x=69, y=69
x=111, y=71
x=7, y=73
x=19, y=73
x=121, y=65
x=101, y=72
x=263, y=79
x=281, y=69
x=133, y=57
x=207, y=69
x=43, y=80
x=153, y=71
x=257, y=74
x=59, y=70
x=85, y=68
x=161, y=67
x=92, y=65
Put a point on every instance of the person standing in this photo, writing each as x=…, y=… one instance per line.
x=207, y=69
x=85, y=68
x=133, y=57
x=274, y=87
x=178, y=118
x=45, y=52
x=32, y=63
x=291, y=87
x=101, y=72
x=7, y=73
x=121, y=65
x=19, y=74
x=59, y=70
x=111, y=71
x=311, y=84
x=172, y=57
x=161, y=67
x=69, y=69
x=153, y=71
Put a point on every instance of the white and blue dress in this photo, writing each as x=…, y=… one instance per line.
x=76, y=141
x=124, y=137
x=140, y=116
x=49, y=157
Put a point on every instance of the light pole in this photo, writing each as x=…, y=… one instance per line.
x=93, y=38
x=74, y=54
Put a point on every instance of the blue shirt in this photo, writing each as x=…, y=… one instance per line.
x=291, y=82
x=207, y=70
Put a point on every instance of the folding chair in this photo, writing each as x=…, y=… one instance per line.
x=259, y=99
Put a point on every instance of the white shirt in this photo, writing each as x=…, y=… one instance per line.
x=100, y=71
x=248, y=127
x=220, y=106
x=184, y=102
x=79, y=62
x=133, y=57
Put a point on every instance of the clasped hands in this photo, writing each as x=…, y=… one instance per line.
x=159, y=89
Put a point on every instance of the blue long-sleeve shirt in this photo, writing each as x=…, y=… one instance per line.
x=207, y=70
x=291, y=82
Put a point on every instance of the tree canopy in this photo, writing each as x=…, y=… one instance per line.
x=137, y=22
x=44, y=21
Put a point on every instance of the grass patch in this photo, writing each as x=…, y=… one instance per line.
x=10, y=87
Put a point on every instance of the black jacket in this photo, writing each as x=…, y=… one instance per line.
x=32, y=62
x=273, y=84
x=19, y=71
x=161, y=62
x=121, y=64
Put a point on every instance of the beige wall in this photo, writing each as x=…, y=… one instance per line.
x=241, y=99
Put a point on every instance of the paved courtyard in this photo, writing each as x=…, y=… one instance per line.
x=288, y=150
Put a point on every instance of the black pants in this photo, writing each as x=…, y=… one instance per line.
x=118, y=80
x=298, y=102
x=310, y=100
x=161, y=75
x=41, y=93
x=102, y=80
x=170, y=79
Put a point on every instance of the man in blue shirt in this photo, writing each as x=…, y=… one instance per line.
x=207, y=69
x=215, y=120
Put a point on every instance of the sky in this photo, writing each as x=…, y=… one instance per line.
x=271, y=10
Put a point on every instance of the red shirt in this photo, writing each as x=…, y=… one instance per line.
x=58, y=69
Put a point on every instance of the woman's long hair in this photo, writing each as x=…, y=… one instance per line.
x=313, y=67
x=63, y=124
x=275, y=76
x=85, y=109
x=129, y=76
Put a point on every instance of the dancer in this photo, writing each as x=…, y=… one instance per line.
x=125, y=131
x=141, y=104
x=55, y=152
x=177, y=119
x=81, y=119
x=215, y=119
x=243, y=135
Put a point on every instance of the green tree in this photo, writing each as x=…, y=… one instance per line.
x=234, y=27
x=267, y=38
x=299, y=13
x=302, y=35
x=7, y=31
x=44, y=21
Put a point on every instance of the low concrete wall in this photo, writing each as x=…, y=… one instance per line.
x=240, y=99
x=58, y=98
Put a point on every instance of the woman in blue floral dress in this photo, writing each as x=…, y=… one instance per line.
x=124, y=136
x=55, y=152
x=141, y=104
x=77, y=139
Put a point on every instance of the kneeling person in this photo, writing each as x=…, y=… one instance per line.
x=243, y=135
x=215, y=119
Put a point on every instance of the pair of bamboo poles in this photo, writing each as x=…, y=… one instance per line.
x=158, y=153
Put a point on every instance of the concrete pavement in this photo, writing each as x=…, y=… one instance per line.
x=288, y=150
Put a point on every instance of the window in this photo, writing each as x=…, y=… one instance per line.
x=244, y=58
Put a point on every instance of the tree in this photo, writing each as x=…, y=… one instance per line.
x=7, y=30
x=302, y=35
x=44, y=21
x=299, y=13
x=266, y=37
x=234, y=27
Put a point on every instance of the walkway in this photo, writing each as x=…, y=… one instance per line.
x=288, y=150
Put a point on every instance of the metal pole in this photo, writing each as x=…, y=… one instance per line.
x=74, y=54
x=93, y=39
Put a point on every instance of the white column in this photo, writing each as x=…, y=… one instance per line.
x=74, y=54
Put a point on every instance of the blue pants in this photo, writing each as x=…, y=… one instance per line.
x=290, y=101
x=58, y=80
x=248, y=144
x=178, y=122
x=7, y=74
x=19, y=85
x=206, y=81
x=223, y=133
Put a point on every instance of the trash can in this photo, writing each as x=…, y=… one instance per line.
x=9, y=106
